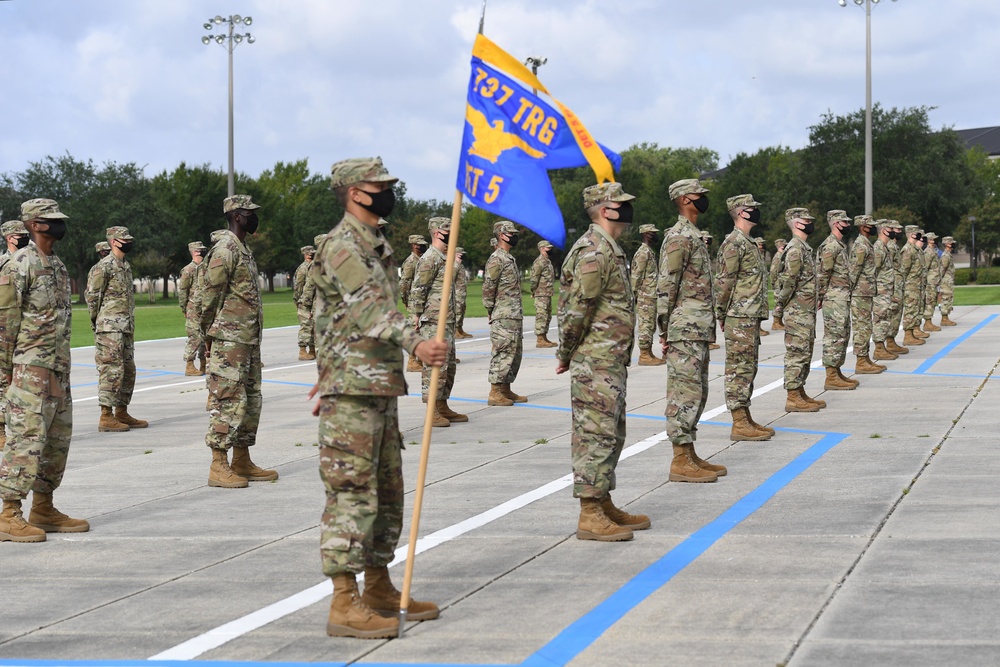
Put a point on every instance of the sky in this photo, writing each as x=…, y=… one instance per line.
x=130, y=80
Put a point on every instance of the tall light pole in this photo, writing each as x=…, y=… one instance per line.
x=534, y=62
x=867, y=4
x=229, y=42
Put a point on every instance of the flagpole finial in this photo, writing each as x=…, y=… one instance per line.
x=482, y=18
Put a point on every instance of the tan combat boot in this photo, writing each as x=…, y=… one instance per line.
x=122, y=415
x=833, y=381
x=594, y=524
x=623, y=518
x=911, y=340
x=49, y=519
x=497, y=397
x=743, y=430
x=462, y=333
x=759, y=427
x=894, y=347
x=761, y=331
x=850, y=381
x=713, y=346
x=543, y=341
x=818, y=401
x=929, y=326
x=350, y=617
x=244, y=467
x=777, y=325
x=509, y=393
x=797, y=401
x=108, y=423
x=449, y=414
x=946, y=321
x=312, y=351
x=414, y=365
x=684, y=469
x=383, y=598
x=190, y=369
x=3, y=436
x=646, y=358
x=13, y=527
x=221, y=475
x=719, y=470
x=201, y=366
x=883, y=354
x=438, y=420
x=920, y=334
x=304, y=353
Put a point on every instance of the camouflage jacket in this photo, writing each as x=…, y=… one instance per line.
x=685, y=303
x=775, y=269
x=230, y=296
x=428, y=288
x=360, y=333
x=502, y=287
x=407, y=270
x=797, y=279
x=110, y=296
x=832, y=271
x=885, y=272
x=739, y=285
x=299, y=281
x=543, y=277
x=643, y=274
x=461, y=283
x=862, y=267
x=911, y=268
x=36, y=312
x=933, y=267
x=596, y=304
x=947, y=270
x=186, y=285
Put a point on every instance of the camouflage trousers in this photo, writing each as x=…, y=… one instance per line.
x=39, y=427
x=543, y=314
x=234, y=397
x=507, y=339
x=687, y=388
x=742, y=346
x=897, y=309
x=800, y=336
x=306, y=327
x=837, y=308
x=861, y=317
x=195, y=346
x=446, y=377
x=930, y=301
x=361, y=465
x=882, y=314
x=460, y=312
x=597, y=395
x=114, y=353
x=913, y=306
x=645, y=317
x=947, y=298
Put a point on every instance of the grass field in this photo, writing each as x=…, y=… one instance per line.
x=164, y=319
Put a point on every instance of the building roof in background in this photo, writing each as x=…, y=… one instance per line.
x=987, y=138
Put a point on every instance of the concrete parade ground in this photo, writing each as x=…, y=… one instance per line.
x=864, y=534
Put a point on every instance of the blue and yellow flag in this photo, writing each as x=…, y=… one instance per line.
x=512, y=138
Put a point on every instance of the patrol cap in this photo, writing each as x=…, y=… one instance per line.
x=947, y=240
x=798, y=212
x=746, y=201
x=504, y=227
x=196, y=245
x=41, y=209
x=493, y=242
x=382, y=222
x=103, y=246
x=543, y=244
x=416, y=239
x=895, y=224
x=238, y=203
x=911, y=229
x=778, y=242
x=862, y=220
x=687, y=186
x=118, y=233
x=359, y=170
x=598, y=194
x=318, y=239
x=758, y=240
x=442, y=223
x=837, y=215
x=648, y=229
x=12, y=227
x=930, y=235
x=459, y=251
x=307, y=250
x=882, y=222
x=705, y=234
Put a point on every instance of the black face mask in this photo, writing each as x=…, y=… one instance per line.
x=444, y=239
x=512, y=239
x=868, y=230
x=809, y=228
x=382, y=202
x=845, y=230
x=250, y=223
x=625, y=212
x=701, y=203
x=753, y=215
x=200, y=253
x=22, y=241
x=57, y=229
x=126, y=247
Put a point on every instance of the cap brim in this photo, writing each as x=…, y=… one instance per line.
x=53, y=216
x=386, y=178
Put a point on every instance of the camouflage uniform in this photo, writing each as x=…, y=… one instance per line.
x=303, y=301
x=833, y=290
x=933, y=279
x=779, y=253
x=231, y=321
x=111, y=301
x=10, y=227
x=644, y=288
x=863, y=288
x=426, y=296
x=596, y=321
x=911, y=275
x=543, y=278
x=947, y=278
x=409, y=267
x=795, y=303
x=885, y=280
x=502, y=299
x=360, y=336
x=187, y=296
x=898, y=289
x=461, y=291
x=35, y=357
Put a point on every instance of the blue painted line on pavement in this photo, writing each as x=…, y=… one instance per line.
x=922, y=368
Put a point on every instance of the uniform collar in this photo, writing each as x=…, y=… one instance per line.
x=601, y=232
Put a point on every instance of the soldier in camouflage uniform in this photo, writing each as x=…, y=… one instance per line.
x=795, y=304
x=740, y=305
x=426, y=296
x=232, y=321
x=418, y=245
x=102, y=249
x=897, y=293
x=187, y=289
x=111, y=301
x=947, y=281
x=502, y=299
x=911, y=273
x=461, y=293
x=15, y=237
x=762, y=250
x=596, y=325
x=884, y=282
x=863, y=295
x=685, y=313
x=713, y=264
x=833, y=293
x=933, y=281
x=307, y=344
x=543, y=280
x=360, y=337
x=779, y=253
x=644, y=288
x=36, y=312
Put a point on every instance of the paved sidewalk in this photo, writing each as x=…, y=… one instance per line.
x=863, y=534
